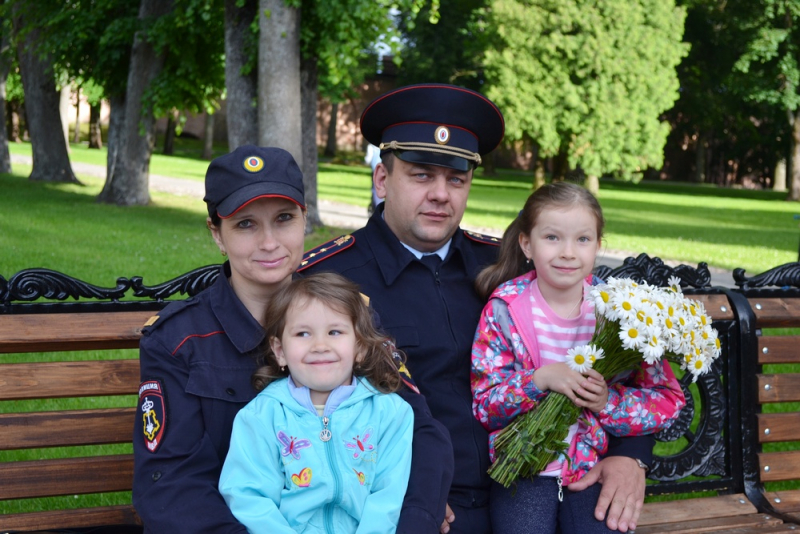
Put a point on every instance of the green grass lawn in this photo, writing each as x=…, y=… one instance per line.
x=726, y=228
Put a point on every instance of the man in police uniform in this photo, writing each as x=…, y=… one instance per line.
x=418, y=268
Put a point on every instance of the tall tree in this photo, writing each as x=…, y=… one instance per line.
x=129, y=182
x=444, y=43
x=771, y=65
x=5, y=68
x=49, y=148
x=585, y=80
x=241, y=73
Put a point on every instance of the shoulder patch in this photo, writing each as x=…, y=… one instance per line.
x=483, y=238
x=153, y=413
x=326, y=250
x=151, y=321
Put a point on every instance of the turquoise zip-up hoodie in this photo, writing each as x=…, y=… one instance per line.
x=281, y=476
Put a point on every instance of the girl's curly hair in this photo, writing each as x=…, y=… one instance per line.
x=378, y=364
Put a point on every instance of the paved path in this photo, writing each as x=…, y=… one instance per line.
x=350, y=216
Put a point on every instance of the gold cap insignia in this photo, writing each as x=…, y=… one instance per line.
x=442, y=135
x=253, y=164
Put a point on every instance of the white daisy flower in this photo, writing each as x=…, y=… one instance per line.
x=632, y=335
x=579, y=358
x=674, y=284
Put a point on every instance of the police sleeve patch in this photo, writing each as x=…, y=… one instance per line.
x=152, y=413
x=483, y=238
x=326, y=250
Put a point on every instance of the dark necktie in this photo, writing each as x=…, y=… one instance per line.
x=432, y=261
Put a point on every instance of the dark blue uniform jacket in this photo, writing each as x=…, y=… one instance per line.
x=198, y=357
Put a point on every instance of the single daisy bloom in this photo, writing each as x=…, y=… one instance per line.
x=578, y=358
x=632, y=336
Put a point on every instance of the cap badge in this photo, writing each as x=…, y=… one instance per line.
x=253, y=164
x=442, y=135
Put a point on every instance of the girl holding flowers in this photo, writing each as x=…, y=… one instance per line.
x=524, y=350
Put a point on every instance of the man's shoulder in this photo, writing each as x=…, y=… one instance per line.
x=338, y=254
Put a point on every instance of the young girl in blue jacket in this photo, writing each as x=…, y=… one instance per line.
x=325, y=446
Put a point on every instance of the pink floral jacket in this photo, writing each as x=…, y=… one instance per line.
x=642, y=402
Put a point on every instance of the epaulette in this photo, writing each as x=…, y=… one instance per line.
x=160, y=317
x=483, y=238
x=326, y=250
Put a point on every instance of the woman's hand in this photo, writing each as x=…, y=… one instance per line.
x=589, y=391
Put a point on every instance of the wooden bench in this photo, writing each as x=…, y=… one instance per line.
x=715, y=450
x=718, y=434
x=30, y=431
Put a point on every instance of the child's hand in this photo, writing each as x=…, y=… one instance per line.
x=588, y=391
x=597, y=389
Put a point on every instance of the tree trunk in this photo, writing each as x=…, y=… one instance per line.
x=169, y=134
x=490, y=164
x=241, y=89
x=208, y=137
x=537, y=165
x=63, y=112
x=5, y=67
x=128, y=185
x=95, y=132
x=116, y=122
x=779, y=179
x=330, y=144
x=794, y=187
x=50, y=158
x=279, y=115
x=700, y=159
x=76, y=137
x=592, y=183
x=13, y=122
x=309, y=78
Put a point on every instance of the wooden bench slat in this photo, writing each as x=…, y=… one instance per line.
x=714, y=305
x=778, y=388
x=66, y=428
x=659, y=513
x=786, y=501
x=774, y=466
x=77, y=518
x=778, y=349
x=71, y=331
x=745, y=524
x=778, y=427
x=776, y=312
x=51, y=380
x=69, y=476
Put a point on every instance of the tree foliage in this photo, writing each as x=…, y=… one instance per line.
x=588, y=80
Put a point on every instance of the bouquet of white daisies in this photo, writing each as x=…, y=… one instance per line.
x=635, y=323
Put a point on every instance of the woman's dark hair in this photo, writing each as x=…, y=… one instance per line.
x=333, y=290
x=511, y=261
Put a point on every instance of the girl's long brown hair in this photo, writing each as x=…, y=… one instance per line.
x=511, y=261
x=333, y=290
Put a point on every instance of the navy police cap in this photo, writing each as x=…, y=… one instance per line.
x=249, y=173
x=434, y=124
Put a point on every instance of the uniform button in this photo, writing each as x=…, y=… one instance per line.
x=156, y=475
x=230, y=391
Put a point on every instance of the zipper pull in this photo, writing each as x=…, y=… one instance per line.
x=325, y=434
x=560, y=490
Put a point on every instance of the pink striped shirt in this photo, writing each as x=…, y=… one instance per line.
x=555, y=336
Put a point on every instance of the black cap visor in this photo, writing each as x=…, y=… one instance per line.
x=241, y=197
x=432, y=158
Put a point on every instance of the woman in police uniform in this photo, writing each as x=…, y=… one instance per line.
x=197, y=356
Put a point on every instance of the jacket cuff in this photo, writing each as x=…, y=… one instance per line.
x=640, y=447
x=416, y=520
